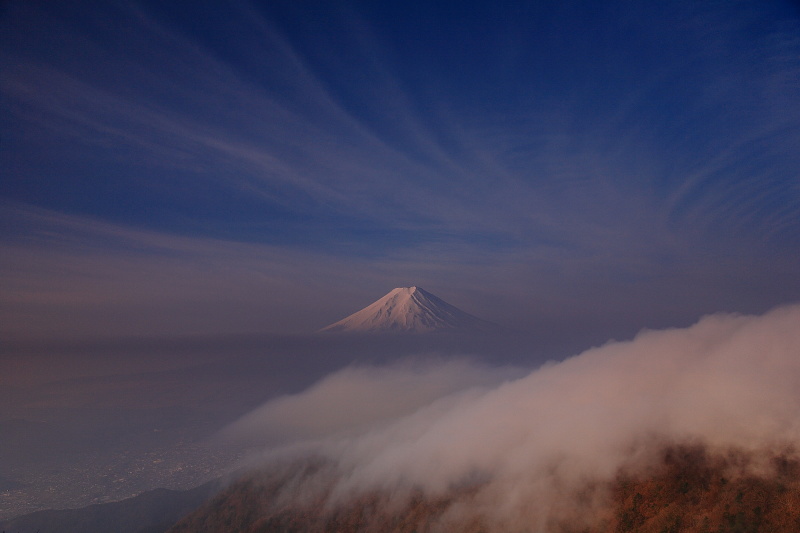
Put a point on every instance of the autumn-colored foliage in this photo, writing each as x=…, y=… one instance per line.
x=695, y=492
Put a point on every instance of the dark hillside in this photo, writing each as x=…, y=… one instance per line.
x=689, y=490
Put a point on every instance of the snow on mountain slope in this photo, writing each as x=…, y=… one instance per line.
x=409, y=310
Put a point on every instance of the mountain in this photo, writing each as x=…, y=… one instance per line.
x=409, y=310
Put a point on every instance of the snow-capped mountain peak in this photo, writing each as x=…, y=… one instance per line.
x=408, y=310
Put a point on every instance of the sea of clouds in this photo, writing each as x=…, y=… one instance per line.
x=531, y=440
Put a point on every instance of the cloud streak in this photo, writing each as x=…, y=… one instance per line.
x=272, y=116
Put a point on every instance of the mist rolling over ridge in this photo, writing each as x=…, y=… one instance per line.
x=523, y=451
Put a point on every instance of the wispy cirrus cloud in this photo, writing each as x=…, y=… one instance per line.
x=279, y=121
x=578, y=171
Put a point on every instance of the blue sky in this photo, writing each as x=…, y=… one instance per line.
x=224, y=167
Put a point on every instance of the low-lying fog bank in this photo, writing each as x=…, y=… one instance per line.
x=493, y=449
